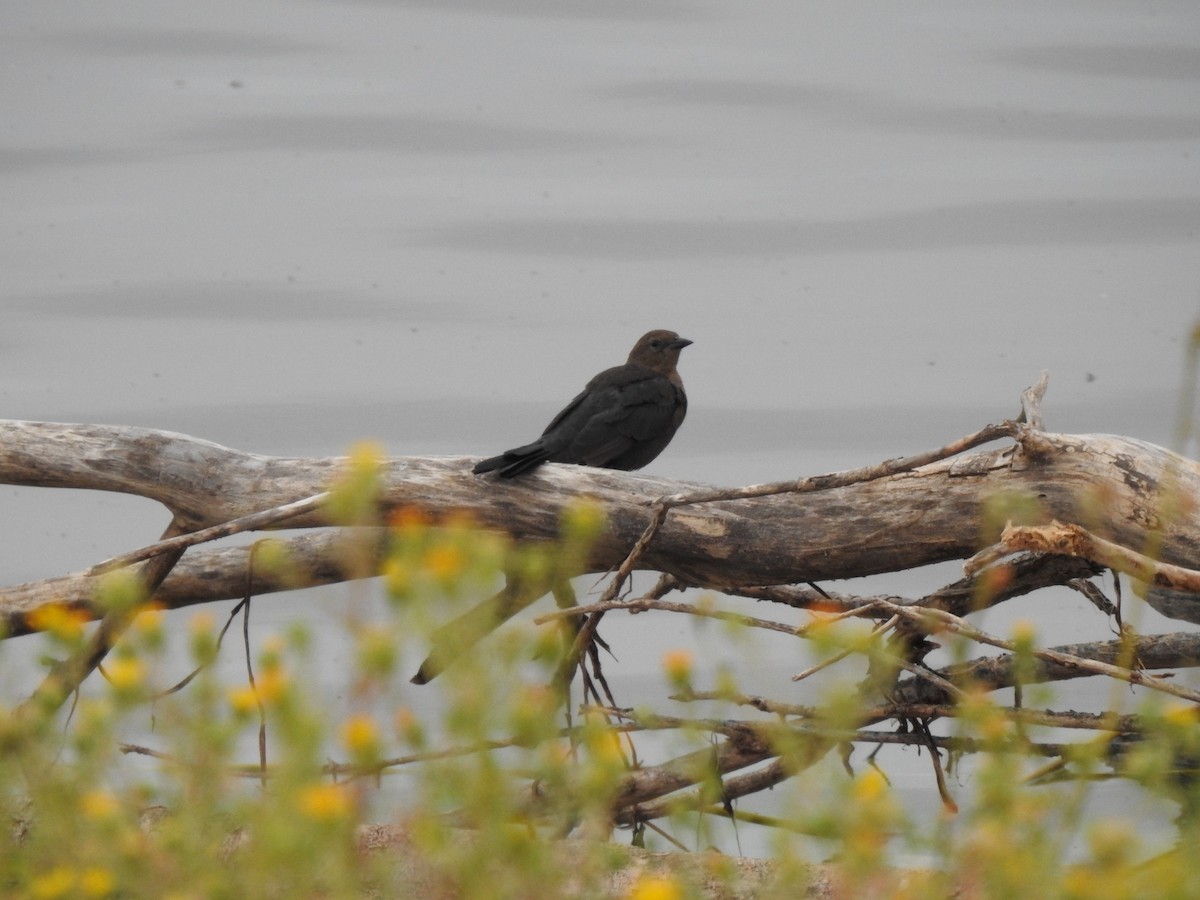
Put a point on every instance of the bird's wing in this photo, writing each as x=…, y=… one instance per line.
x=620, y=415
x=571, y=407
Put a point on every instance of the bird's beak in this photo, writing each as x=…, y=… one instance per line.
x=679, y=343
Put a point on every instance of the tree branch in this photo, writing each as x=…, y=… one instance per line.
x=1072, y=540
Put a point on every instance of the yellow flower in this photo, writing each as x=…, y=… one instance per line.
x=445, y=562
x=870, y=786
x=99, y=805
x=244, y=700
x=1181, y=713
x=409, y=519
x=58, y=882
x=605, y=743
x=268, y=688
x=272, y=684
x=125, y=673
x=64, y=623
x=650, y=887
x=97, y=882
x=361, y=735
x=677, y=664
x=149, y=621
x=324, y=802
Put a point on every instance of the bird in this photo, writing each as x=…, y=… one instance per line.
x=622, y=419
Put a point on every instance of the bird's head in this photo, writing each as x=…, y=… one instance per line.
x=658, y=350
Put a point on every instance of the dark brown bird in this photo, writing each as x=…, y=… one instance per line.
x=622, y=420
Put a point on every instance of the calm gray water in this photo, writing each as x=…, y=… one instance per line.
x=288, y=226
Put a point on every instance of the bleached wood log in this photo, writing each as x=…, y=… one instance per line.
x=1130, y=492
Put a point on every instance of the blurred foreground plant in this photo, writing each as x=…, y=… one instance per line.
x=506, y=768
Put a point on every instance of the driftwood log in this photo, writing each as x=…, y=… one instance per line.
x=1040, y=508
x=1121, y=489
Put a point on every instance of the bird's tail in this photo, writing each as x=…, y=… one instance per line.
x=514, y=462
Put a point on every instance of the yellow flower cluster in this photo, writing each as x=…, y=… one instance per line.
x=651, y=887
x=99, y=805
x=125, y=673
x=325, y=802
x=360, y=735
x=268, y=688
x=62, y=621
x=64, y=881
x=870, y=787
x=1181, y=713
x=678, y=665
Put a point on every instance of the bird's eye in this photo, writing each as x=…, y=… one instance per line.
x=656, y=344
